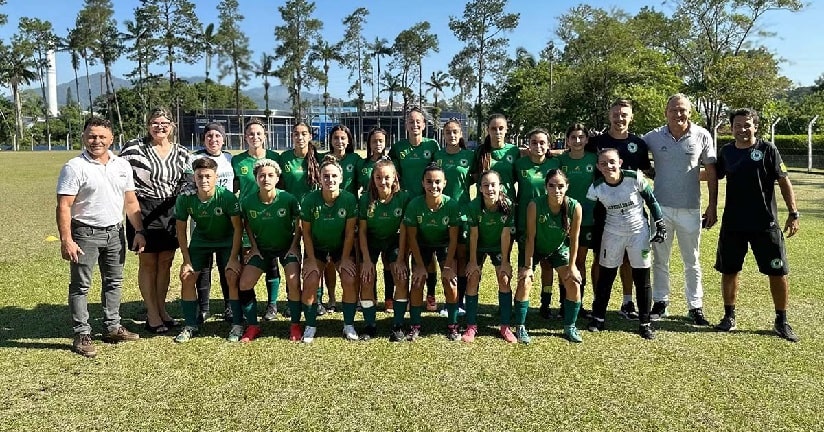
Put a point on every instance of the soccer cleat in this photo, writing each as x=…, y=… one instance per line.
x=646, y=331
x=186, y=334
x=369, y=332
x=414, y=333
x=271, y=312
x=397, y=334
x=697, y=316
x=659, y=310
x=321, y=310
x=349, y=333
x=469, y=334
x=522, y=335
x=83, y=345
x=235, y=333
x=507, y=334
x=785, y=331
x=587, y=314
x=286, y=313
x=295, y=332
x=727, y=324
x=452, y=332
x=571, y=334
x=389, y=306
x=443, y=312
x=251, y=333
x=595, y=325
x=628, y=311
x=309, y=334
x=544, y=311
x=461, y=312
x=331, y=307
x=431, y=304
x=227, y=314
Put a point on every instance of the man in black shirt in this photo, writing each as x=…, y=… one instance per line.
x=752, y=167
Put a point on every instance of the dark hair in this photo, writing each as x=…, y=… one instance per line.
x=253, y=121
x=621, y=103
x=372, y=132
x=350, y=145
x=373, y=191
x=433, y=166
x=565, y=203
x=311, y=164
x=577, y=127
x=745, y=112
x=204, y=163
x=607, y=150
x=97, y=121
x=537, y=131
x=485, y=150
x=213, y=126
x=504, y=206
x=155, y=113
x=461, y=141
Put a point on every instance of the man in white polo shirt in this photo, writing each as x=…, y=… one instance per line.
x=679, y=148
x=92, y=191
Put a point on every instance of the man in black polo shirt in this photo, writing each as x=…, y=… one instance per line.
x=752, y=167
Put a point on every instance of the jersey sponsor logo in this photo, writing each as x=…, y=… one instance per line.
x=525, y=173
x=663, y=148
x=218, y=211
x=253, y=214
x=756, y=155
x=565, y=168
x=776, y=263
x=398, y=212
x=419, y=218
x=503, y=218
x=632, y=147
x=341, y=213
x=281, y=212
x=316, y=213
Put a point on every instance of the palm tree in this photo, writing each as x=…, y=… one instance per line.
x=380, y=47
x=322, y=51
x=208, y=39
x=437, y=82
x=17, y=67
x=264, y=69
x=393, y=85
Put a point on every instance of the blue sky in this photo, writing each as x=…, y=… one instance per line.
x=801, y=50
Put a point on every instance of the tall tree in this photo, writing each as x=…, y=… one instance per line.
x=353, y=46
x=379, y=48
x=42, y=35
x=438, y=81
x=208, y=40
x=263, y=69
x=139, y=32
x=409, y=48
x=17, y=68
x=393, y=85
x=480, y=29
x=294, y=37
x=702, y=36
x=235, y=57
x=325, y=53
x=465, y=79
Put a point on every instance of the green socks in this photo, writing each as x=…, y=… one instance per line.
x=349, y=313
x=414, y=314
x=505, y=304
x=249, y=305
x=311, y=314
x=295, y=310
x=400, y=311
x=452, y=313
x=237, y=312
x=273, y=289
x=521, y=307
x=189, y=312
x=369, y=314
x=471, y=309
x=571, y=310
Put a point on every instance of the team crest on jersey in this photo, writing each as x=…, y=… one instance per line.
x=756, y=155
x=419, y=219
x=253, y=214
x=350, y=168
x=776, y=263
x=525, y=173
x=281, y=212
x=509, y=158
x=445, y=220
x=244, y=170
x=218, y=211
x=590, y=168
x=503, y=219
x=316, y=213
x=542, y=218
x=512, y=230
x=632, y=147
x=588, y=237
x=427, y=154
x=342, y=213
x=287, y=168
x=398, y=212
x=464, y=162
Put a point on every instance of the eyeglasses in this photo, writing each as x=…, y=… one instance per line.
x=160, y=124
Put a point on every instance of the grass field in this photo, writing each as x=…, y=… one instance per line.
x=687, y=379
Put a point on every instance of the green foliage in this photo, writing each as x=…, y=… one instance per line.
x=294, y=38
x=234, y=55
x=410, y=47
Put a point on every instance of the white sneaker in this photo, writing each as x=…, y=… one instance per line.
x=349, y=333
x=443, y=313
x=461, y=312
x=235, y=333
x=309, y=334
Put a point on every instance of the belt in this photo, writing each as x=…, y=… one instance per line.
x=115, y=227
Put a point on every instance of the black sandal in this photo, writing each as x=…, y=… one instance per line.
x=159, y=329
x=172, y=323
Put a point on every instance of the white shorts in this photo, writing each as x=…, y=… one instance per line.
x=635, y=245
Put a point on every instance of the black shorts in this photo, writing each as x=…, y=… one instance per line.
x=428, y=251
x=333, y=256
x=767, y=247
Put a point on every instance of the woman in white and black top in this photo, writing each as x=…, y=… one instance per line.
x=161, y=169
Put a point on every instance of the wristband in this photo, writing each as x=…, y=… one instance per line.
x=141, y=232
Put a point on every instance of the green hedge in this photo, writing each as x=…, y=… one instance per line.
x=788, y=144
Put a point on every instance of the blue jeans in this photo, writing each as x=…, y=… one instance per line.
x=107, y=248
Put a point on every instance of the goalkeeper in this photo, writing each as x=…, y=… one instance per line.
x=623, y=193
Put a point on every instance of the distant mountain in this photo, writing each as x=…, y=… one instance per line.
x=278, y=94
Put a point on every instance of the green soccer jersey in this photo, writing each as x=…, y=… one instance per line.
x=549, y=227
x=328, y=221
x=273, y=224
x=411, y=161
x=502, y=161
x=212, y=218
x=243, y=164
x=350, y=164
x=531, y=184
x=433, y=225
x=293, y=177
x=490, y=223
x=457, y=168
x=365, y=174
x=383, y=219
x=580, y=173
